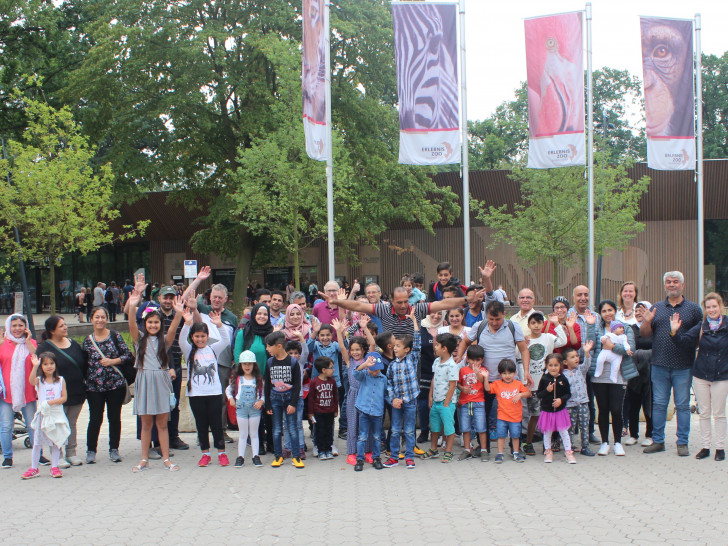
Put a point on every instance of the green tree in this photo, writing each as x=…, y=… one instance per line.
x=551, y=224
x=55, y=199
x=715, y=106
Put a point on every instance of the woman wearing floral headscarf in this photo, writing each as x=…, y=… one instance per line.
x=295, y=322
x=18, y=394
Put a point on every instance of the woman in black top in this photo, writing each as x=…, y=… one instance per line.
x=72, y=367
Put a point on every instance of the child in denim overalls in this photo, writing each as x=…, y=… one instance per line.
x=245, y=393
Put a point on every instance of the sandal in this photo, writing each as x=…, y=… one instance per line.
x=171, y=466
x=143, y=465
x=430, y=454
x=447, y=457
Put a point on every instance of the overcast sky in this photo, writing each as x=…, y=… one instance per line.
x=495, y=39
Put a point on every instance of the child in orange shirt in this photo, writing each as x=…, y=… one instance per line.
x=509, y=392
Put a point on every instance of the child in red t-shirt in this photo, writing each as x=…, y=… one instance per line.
x=509, y=392
x=471, y=405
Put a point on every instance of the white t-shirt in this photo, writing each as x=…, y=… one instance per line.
x=539, y=348
x=202, y=375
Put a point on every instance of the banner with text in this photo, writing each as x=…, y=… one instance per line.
x=315, y=31
x=555, y=71
x=667, y=65
x=425, y=40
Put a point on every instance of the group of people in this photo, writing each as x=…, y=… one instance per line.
x=446, y=358
x=112, y=297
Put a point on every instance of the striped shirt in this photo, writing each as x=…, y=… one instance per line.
x=398, y=325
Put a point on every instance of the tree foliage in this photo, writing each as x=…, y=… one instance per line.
x=715, y=106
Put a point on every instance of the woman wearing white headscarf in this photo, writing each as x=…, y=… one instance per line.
x=19, y=394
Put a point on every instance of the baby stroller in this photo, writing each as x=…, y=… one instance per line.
x=20, y=429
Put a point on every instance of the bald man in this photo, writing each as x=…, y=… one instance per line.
x=526, y=299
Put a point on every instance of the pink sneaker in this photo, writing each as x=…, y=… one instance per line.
x=222, y=458
x=351, y=459
x=548, y=456
x=31, y=473
x=570, y=457
x=204, y=461
x=368, y=458
x=56, y=472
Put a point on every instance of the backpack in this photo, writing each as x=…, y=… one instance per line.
x=109, y=296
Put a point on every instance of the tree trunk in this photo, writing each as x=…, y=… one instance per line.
x=52, y=275
x=243, y=262
x=556, y=277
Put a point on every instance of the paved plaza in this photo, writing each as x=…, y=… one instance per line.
x=640, y=499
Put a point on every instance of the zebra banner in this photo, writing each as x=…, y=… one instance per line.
x=667, y=65
x=315, y=31
x=425, y=40
x=555, y=69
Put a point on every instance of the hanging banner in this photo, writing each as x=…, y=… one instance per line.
x=315, y=31
x=555, y=69
x=425, y=41
x=667, y=65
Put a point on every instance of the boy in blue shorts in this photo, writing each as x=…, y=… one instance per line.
x=509, y=392
x=471, y=405
x=443, y=396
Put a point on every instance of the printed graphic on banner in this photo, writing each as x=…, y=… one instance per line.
x=555, y=68
x=425, y=39
x=667, y=65
x=315, y=30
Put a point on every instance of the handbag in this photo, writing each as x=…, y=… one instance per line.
x=127, y=394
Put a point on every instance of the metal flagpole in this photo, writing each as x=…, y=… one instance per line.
x=590, y=147
x=464, y=164
x=330, y=154
x=699, y=142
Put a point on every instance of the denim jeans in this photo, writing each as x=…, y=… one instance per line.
x=299, y=425
x=404, y=418
x=7, y=419
x=368, y=423
x=280, y=401
x=663, y=381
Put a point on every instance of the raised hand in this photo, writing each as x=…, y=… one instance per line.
x=204, y=273
x=178, y=304
x=648, y=315
x=342, y=294
x=187, y=316
x=554, y=319
x=487, y=270
x=363, y=320
x=356, y=286
x=675, y=322
x=192, y=301
x=140, y=287
x=590, y=317
x=588, y=346
x=571, y=319
x=215, y=317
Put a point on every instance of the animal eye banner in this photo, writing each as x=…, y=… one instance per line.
x=555, y=70
x=315, y=31
x=667, y=65
x=425, y=40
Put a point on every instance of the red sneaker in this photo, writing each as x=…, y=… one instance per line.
x=222, y=458
x=204, y=460
x=410, y=463
x=56, y=473
x=368, y=458
x=351, y=459
x=391, y=462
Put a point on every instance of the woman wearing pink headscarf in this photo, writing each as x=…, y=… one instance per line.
x=296, y=321
x=18, y=394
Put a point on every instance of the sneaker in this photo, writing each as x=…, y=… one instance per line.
x=322, y=456
x=63, y=463
x=368, y=458
x=204, y=460
x=703, y=454
x=654, y=448
x=315, y=451
x=519, y=457
x=618, y=449
x=287, y=454
x=298, y=463
x=114, y=456
x=647, y=442
x=570, y=457
x=30, y=474
x=177, y=443
x=391, y=462
x=587, y=452
x=256, y=461
x=604, y=449
x=342, y=435
x=277, y=461
x=154, y=454
x=630, y=441
x=528, y=449
x=498, y=458
x=222, y=458
x=351, y=459
x=548, y=456
x=91, y=457
x=418, y=451
x=465, y=455
x=334, y=451
x=377, y=463
x=682, y=450
x=484, y=456
x=476, y=451
x=43, y=461
x=593, y=439
x=239, y=462
x=56, y=473
x=401, y=455
x=74, y=460
x=410, y=463
x=228, y=439
x=720, y=454
x=358, y=465
x=302, y=454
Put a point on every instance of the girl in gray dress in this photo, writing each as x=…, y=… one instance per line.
x=153, y=383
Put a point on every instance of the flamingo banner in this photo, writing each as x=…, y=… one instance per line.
x=425, y=41
x=555, y=68
x=313, y=77
x=667, y=65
